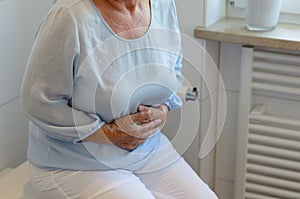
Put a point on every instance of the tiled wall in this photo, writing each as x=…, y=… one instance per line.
x=18, y=20
x=225, y=152
x=209, y=117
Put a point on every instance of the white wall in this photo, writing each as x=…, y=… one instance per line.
x=230, y=62
x=194, y=13
x=190, y=15
x=18, y=22
x=214, y=11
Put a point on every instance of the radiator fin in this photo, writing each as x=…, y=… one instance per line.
x=269, y=146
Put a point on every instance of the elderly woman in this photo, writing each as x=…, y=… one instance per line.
x=100, y=80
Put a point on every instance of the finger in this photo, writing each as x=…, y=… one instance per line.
x=141, y=117
x=142, y=108
x=149, y=128
x=145, y=134
x=150, y=125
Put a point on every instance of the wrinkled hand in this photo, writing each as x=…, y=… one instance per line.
x=132, y=130
x=156, y=112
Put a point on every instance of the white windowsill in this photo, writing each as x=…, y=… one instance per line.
x=230, y=29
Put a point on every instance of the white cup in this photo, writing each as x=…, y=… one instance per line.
x=262, y=15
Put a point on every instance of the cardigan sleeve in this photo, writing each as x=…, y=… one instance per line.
x=48, y=81
x=174, y=101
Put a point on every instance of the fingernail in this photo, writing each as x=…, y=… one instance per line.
x=141, y=108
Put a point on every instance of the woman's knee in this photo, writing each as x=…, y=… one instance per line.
x=90, y=184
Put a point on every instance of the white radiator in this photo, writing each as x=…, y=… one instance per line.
x=268, y=147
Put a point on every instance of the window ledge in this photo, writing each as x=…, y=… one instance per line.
x=229, y=29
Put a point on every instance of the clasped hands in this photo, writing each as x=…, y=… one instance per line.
x=132, y=130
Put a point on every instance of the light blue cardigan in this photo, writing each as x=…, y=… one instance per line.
x=80, y=74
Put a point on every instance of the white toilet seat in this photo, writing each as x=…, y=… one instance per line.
x=12, y=184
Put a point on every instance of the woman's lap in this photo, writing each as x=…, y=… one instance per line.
x=87, y=185
x=176, y=181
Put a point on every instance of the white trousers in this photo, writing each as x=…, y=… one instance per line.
x=177, y=181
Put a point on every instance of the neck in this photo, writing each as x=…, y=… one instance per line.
x=121, y=5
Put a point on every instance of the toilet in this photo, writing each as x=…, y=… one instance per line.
x=12, y=183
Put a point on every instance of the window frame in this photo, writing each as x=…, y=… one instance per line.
x=289, y=14
x=288, y=6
